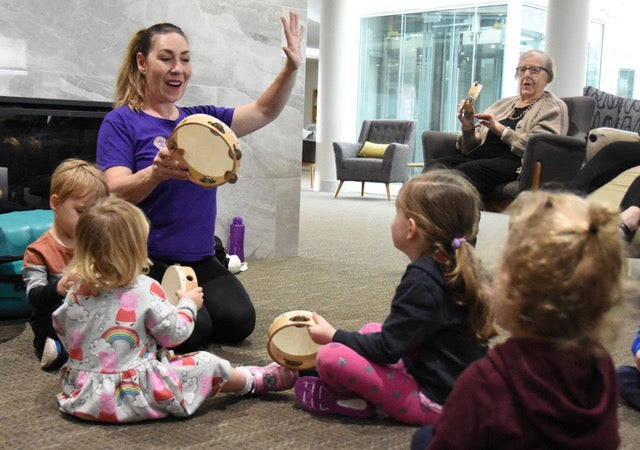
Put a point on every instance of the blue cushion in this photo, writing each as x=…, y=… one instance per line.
x=18, y=229
x=13, y=298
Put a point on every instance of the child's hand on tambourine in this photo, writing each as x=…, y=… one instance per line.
x=322, y=331
x=194, y=294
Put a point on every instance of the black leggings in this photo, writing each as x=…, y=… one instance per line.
x=632, y=196
x=485, y=173
x=607, y=164
x=227, y=314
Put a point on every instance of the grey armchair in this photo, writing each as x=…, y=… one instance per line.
x=548, y=158
x=392, y=168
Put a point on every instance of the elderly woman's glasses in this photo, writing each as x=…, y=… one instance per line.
x=533, y=70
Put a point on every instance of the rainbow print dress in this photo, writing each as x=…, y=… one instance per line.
x=113, y=374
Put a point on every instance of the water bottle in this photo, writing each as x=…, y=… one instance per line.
x=236, y=238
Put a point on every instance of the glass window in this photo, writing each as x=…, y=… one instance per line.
x=534, y=21
x=626, y=79
x=420, y=65
x=594, y=53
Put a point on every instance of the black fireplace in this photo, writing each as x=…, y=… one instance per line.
x=35, y=136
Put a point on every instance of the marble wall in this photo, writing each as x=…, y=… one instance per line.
x=72, y=49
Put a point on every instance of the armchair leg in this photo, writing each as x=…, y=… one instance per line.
x=362, y=190
x=338, y=190
x=388, y=191
x=312, y=171
x=535, y=176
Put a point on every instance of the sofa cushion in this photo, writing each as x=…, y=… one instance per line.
x=372, y=150
x=364, y=169
x=613, y=111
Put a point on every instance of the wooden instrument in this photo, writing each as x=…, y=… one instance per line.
x=289, y=343
x=178, y=277
x=209, y=147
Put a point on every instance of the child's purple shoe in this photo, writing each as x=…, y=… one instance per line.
x=318, y=397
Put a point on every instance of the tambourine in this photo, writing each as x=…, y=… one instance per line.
x=472, y=96
x=178, y=277
x=289, y=343
x=209, y=147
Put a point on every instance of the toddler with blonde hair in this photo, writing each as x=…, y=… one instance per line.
x=439, y=320
x=75, y=185
x=551, y=384
x=115, y=317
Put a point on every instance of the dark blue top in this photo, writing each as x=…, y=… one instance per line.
x=426, y=328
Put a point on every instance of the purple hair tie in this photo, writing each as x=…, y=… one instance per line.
x=457, y=242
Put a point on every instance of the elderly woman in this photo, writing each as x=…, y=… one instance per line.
x=491, y=149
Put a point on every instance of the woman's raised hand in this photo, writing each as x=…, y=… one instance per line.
x=294, y=33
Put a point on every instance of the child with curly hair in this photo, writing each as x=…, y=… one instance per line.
x=551, y=384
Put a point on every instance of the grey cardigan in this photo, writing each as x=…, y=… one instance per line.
x=547, y=115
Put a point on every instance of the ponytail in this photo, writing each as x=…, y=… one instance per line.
x=467, y=279
x=446, y=208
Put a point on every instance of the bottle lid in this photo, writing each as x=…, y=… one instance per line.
x=237, y=220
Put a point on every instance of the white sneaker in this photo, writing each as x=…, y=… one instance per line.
x=49, y=353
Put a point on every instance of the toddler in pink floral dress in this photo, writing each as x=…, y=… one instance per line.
x=113, y=320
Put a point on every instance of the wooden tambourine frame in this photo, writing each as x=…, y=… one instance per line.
x=289, y=343
x=471, y=98
x=178, y=277
x=209, y=147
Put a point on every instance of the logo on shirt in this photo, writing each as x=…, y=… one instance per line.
x=160, y=142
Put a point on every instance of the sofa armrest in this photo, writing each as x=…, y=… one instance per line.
x=345, y=150
x=560, y=157
x=342, y=151
x=395, y=161
x=438, y=144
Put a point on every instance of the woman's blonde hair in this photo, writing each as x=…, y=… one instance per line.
x=111, y=245
x=78, y=178
x=131, y=84
x=560, y=270
x=446, y=209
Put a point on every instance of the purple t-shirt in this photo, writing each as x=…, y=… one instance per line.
x=182, y=213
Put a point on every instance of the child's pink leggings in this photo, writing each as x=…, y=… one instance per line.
x=390, y=387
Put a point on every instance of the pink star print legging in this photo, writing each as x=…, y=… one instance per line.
x=390, y=387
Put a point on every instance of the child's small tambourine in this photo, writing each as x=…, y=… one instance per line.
x=289, y=343
x=178, y=277
x=209, y=147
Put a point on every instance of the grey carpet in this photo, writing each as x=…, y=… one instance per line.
x=347, y=270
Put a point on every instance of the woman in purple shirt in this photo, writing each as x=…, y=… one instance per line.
x=132, y=152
